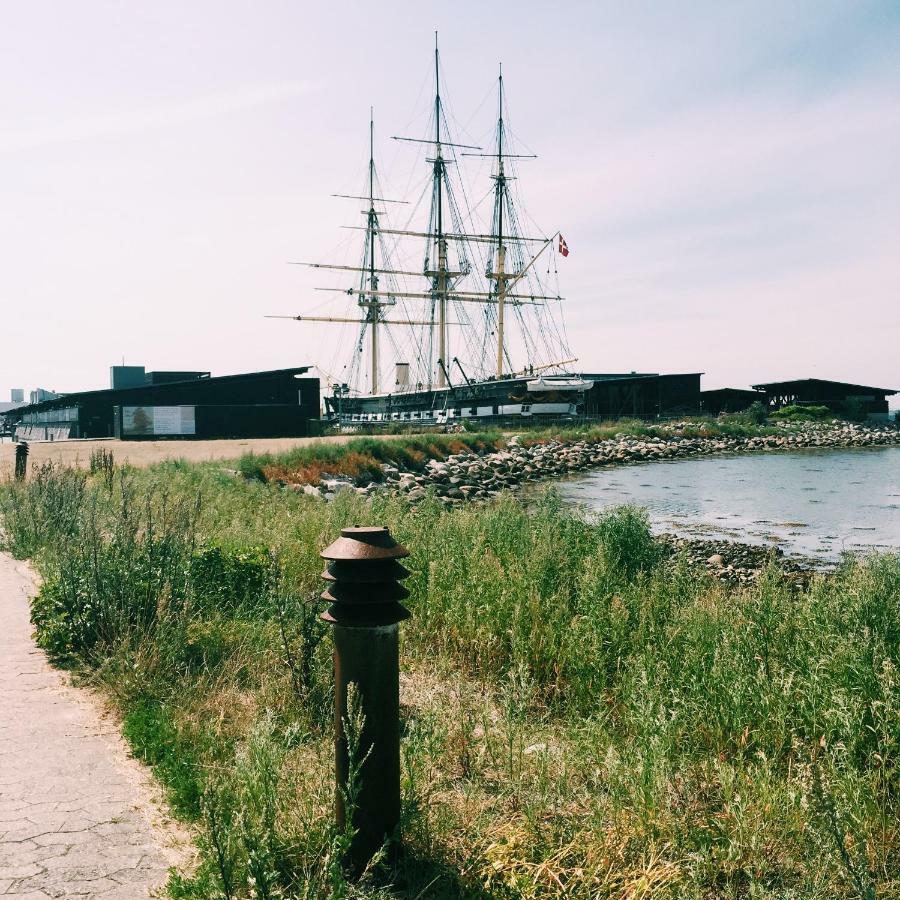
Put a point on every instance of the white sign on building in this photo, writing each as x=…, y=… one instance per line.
x=158, y=421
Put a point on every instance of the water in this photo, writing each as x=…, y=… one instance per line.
x=812, y=503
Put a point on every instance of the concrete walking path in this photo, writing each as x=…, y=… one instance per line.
x=77, y=814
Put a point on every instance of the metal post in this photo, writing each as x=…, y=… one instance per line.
x=21, y=460
x=364, y=592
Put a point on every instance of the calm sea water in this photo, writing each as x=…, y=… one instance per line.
x=815, y=503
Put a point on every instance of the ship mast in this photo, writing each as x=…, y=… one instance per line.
x=504, y=231
x=373, y=304
x=499, y=201
x=439, y=277
x=370, y=299
x=436, y=269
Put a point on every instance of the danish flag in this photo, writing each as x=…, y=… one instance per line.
x=563, y=246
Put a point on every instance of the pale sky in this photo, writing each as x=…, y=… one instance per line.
x=725, y=175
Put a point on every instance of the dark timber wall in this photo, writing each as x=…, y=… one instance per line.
x=729, y=400
x=643, y=396
x=279, y=403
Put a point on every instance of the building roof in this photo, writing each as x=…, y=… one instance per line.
x=856, y=388
x=76, y=398
x=633, y=376
x=729, y=390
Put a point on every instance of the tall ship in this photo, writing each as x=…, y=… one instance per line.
x=453, y=306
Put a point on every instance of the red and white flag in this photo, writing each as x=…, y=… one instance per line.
x=563, y=246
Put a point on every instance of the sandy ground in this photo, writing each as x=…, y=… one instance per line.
x=78, y=815
x=144, y=453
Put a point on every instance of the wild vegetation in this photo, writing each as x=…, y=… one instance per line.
x=582, y=716
x=362, y=458
x=802, y=414
x=734, y=425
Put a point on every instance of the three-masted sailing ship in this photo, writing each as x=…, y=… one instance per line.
x=474, y=332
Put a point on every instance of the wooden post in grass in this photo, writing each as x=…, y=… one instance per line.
x=364, y=591
x=21, y=460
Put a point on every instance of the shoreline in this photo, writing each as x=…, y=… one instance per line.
x=471, y=477
x=737, y=562
x=478, y=476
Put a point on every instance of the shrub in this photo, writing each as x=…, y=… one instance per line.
x=756, y=412
x=227, y=581
x=103, y=462
x=627, y=542
x=802, y=414
x=117, y=562
x=855, y=409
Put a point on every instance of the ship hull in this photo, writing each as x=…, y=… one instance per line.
x=495, y=399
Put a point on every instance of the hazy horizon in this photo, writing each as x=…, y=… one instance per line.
x=726, y=178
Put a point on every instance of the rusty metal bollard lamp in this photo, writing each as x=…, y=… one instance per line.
x=364, y=591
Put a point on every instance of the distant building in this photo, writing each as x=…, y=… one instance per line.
x=126, y=377
x=39, y=395
x=137, y=376
x=642, y=395
x=729, y=400
x=279, y=403
x=838, y=396
x=17, y=395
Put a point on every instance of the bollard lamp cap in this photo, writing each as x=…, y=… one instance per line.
x=365, y=543
x=363, y=577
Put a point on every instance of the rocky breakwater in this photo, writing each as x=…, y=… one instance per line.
x=468, y=476
x=471, y=477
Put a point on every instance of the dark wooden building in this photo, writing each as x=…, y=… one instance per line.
x=278, y=403
x=838, y=396
x=729, y=400
x=642, y=395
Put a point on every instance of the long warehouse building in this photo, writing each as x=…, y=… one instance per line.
x=278, y=403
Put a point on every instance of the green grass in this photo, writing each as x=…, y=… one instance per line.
x=154, y=738
x=582, y=717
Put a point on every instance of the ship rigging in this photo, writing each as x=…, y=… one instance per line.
x=516, y=317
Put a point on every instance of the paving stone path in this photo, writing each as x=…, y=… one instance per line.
x=77, y=814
